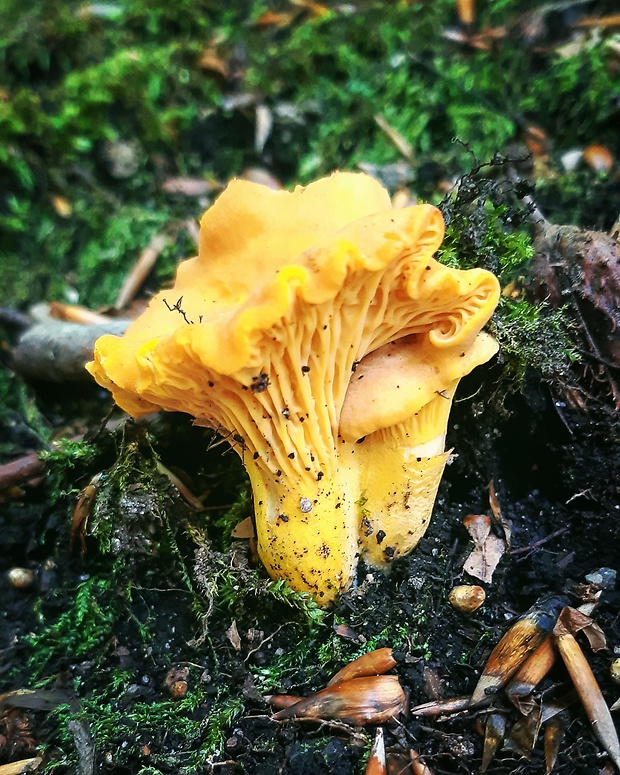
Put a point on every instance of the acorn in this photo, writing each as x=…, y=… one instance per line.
x=467, y=598
x=374, y=662
x=369, y=700
x=21, y=578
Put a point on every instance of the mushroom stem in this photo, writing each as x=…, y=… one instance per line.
x=307, y=528
x=398, y=493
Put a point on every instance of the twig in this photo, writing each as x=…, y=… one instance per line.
x=140, y=271
x=21, y=470
x=541, y=542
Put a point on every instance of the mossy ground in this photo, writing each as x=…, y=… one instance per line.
x=100, y=104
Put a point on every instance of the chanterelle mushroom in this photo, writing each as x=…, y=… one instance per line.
x=292, y=298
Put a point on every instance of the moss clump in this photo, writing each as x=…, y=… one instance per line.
x=81, y=630
x=486, y=226
x=84, y=82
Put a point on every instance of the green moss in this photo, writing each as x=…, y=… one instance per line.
x=81, y=77
x=192, y=737
x=21, y=422
x=487, y=226
x=82, y=630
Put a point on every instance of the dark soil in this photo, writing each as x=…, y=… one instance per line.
x=555, y=472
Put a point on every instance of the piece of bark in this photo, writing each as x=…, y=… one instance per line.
x=579, y=270
x=56, y=351
x=21, y=470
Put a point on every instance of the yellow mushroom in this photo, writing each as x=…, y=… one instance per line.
x=263, y=335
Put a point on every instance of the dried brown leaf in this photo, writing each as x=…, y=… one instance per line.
x=232, y=633
x=483, y=560
x=395, y=136
x=496, y=510
x=244, y=529
x=573, y=621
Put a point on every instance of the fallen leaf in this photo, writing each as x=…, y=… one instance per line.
x=232, y=633
x=187, y=186
x=523, y=735
x=573, y=621
x=140, y=270
x=395, y=136
x=488, y=548
x=275, y=19
x=244, y=529
x=210, y=60
x=262, y=130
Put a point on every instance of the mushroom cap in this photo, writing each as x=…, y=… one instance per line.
x=266, y=257
x=399, y=379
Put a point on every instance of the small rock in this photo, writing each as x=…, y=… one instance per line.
x=605, y=578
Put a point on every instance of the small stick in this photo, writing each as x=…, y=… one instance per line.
x=73, y=313
x=141, y=270
x=541, y=542
x=19, y=471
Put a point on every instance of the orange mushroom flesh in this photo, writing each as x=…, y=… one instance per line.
x=263, y=337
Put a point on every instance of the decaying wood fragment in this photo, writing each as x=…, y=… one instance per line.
x=140, y=271
x=73, y=313
x=21, y=470
x=57, y=351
